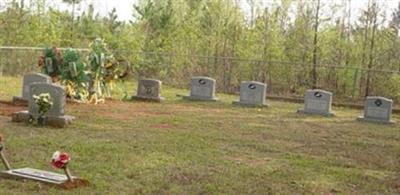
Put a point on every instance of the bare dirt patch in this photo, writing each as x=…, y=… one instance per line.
x=7, y=108
x=77, y=183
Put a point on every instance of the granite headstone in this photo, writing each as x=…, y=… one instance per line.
x=319, y=102
x=252, y=93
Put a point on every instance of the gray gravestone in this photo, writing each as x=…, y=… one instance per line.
x=29, y=79
x=149, y=90
x=377, y=109
x=55, y=116
x=36, y=175
x=317, y=102
x=252, y=93
x=202, y=89
x=57, y=94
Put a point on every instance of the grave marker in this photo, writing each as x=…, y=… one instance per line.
x=378, y=110
x=202, y=89
x=318, y=102
x=252, y=93
x=27, y=81
x=149, y=90
x=55, y=116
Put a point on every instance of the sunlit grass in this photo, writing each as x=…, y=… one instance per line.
x=182, y=147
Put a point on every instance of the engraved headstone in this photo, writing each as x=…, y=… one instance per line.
x=55, y=116
x=37, y=175
x=29, y=79
x=317, y=102
x=252, y=93
x=57, y=94
x=149, y=90
x=377, y=109
x=202, y=89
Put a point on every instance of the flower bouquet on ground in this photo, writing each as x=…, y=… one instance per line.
x=44, y=103
x=60, y=160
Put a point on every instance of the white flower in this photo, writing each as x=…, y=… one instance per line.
x=56, y=156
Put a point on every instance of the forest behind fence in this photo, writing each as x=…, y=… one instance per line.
x=290, y=45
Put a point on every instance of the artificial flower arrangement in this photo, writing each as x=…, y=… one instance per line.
x=51, y=62
x=85, y=82
x=44, y=103
x=74, y=75
x=60, y=160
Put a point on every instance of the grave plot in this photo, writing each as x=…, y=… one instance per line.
x=59, y=160
x=202, y=89
x=317, y=102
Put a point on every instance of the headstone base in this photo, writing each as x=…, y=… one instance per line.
x=302, y=111
x=19, y=101
x=372, y=120
x=148, y=99
x=248, y=104
x=196, y=98
x=36, y=175
x=60, y=122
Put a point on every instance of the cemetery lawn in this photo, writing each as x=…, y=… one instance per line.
x=182, y=147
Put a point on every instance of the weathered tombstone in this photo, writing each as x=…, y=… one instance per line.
x=202, y=89
x=252, y=93
x=317, y=101
x=378, y=110
x=55, y=116
x=149, y=90
x=27, y=80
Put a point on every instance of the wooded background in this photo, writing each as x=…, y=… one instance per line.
x=290, y=45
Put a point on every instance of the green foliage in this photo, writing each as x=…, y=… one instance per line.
x=278, y=38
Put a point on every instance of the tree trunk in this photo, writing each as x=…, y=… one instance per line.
x=314, y=70
x=371, y=51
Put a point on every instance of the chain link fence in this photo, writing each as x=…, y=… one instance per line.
x=284, y=79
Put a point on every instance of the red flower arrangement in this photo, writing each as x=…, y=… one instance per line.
x=60, y=160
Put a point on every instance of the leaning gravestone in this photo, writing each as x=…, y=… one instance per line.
x=55, y=116
x=378, y=110
x=317, y=102
x=29, y=79
x=149, y=90
x=202, y=89
x=252, y=93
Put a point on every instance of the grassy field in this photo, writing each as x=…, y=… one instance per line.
x=181, y=147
